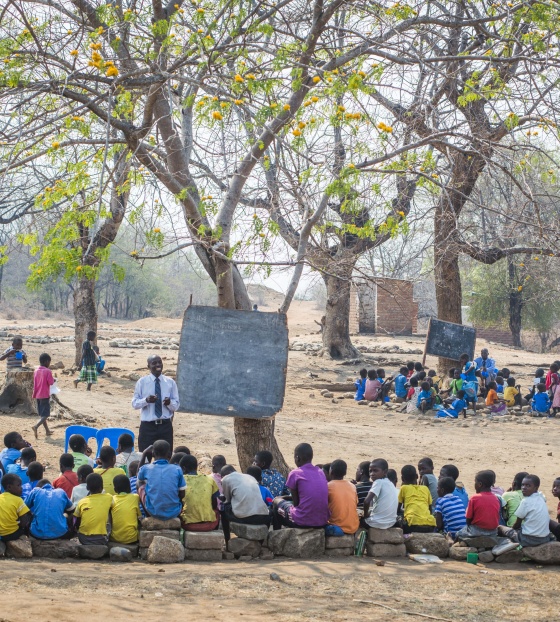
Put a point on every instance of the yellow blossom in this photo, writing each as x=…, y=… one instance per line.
x=314, y=99
x=251, y=76
x=286, y=106
x=238, y=102
x=316, y=79
x=95, y=46
x=55, y=145
x=223, y=104
x=341, y=108
x=200, y=10
x=296, y=132
x=78, y=268
x=214, y=99
x=217, y=115
x=519, y=288
x=307, y=103
x=112, y=71
x=238, y=78
x=74, y=53
x=274, y=105
x=362, y=73
x=157, y=230
x=96, y=56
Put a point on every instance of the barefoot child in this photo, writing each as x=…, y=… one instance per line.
x=42, y=382
x=360, y=385
x=540, y=403
x=88, y=373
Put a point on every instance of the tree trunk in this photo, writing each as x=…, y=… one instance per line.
x=336, y=328
x=85, y=314
x=515, y=304
x=17, y=393
x=544, y=341
x=1, y=276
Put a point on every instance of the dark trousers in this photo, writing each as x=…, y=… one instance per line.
x=152, y=431
x=12, y=536
x=229, y=517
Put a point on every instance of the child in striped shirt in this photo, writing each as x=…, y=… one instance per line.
x=450, y=511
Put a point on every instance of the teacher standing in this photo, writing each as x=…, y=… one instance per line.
x=157, y=398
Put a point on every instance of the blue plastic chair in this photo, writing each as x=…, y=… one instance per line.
x=112, y=435
x=84, y=430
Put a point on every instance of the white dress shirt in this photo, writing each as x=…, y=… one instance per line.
x=145, y=387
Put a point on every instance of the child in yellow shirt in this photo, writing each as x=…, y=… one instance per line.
x=416, y=501
x=107, y=470
x=125, y=512
x=92, y=512
x=14, y=514
x=510, y=393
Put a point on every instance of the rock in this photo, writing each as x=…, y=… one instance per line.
x=245, y=558
x=204, y=555
x=266, y=555
x=165, y=551
x=362, y=402
x=55, y=549
x=145, y=537
x=143, y=553
x=460, y=552
x=114, y=344
x=2, y=549
x=511, y=557
x=241, y=546
x=133, y=548
x=92, y=551
x=208, y=540
x=340, y=542
x=547, y=554
x=342, y=552
x=349, y=395
x=298, y=543
x=120, y=554
x=327, y=394
x=156, y=524
x=385, y=536
x=486, y=557
x=386, y=550
x=20, y=548
x=226, y=555
x=134, y=377
x=430, y=543
x=59, y=365
x=482, y=542
x=250, y=532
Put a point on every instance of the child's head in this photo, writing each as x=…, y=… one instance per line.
x=484, y=480
x=107, y=457
x=125, y=443
x=28, y=455
x=449, y=470
x=432, y=373
x=121, y=483
x=539, y=373
x=554, y=368
x=456, y=373
x=418, y=367
x=14, y=440
x=44, y=360
x=452, y=372
x=363, y=373
x=132, y=468
x=12, y=483
x=177, y=457
x=372, y=374
x=530, y=485
x=392, y=477
x=464, y=359
x=227, y=469
x=491, y=385
x=17, y=342
x=182, y=449
x=85, y=470
x=413, y=382
x=263, y=459
x=541, y=387
x=409, y=474
x=410, y=366
x=504, y=373
x=510, y=382
x=381, y=373
x=161, y=450
x=362, y=472
x=403, y=371
x=518, y=479
x=446, y=486
x=425, y=386
x=461, y=394
x=326, y=468
x=94, y=483
x=78, y=444
x=189, y=464
x=425, y=466
x=556, y=488
x=378, y=469
x=499, y=381
x=256, y=472
x=421, y=375
x=338, y=469
x=91, y=335
x=66, y=462
x=303, y=454
x=218, y=463
x=35, y=471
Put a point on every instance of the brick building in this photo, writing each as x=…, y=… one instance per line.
x=383, y=306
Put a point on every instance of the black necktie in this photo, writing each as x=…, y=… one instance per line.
x=159, y=411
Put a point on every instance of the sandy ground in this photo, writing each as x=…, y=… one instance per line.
x=312, y=590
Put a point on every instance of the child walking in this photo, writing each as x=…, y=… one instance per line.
x=88, y=372
x=42, y=383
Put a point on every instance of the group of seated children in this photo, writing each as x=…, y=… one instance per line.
x=86, y=498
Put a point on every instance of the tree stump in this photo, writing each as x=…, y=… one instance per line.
x=16, y=396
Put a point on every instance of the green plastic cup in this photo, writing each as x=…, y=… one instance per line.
x=472, y=558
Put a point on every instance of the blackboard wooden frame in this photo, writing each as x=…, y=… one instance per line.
x=436, y=344
x=232, y=363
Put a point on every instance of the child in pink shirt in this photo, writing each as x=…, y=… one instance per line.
x=373, y=386
x=42, y=382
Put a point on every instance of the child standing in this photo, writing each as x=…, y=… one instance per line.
x=271, y=478
x=80, y=491
x=373, y=387
x=540, y=403
x=483, y=511
x=449, y=510
x=28, y=456
x=88, y=372
x=360, y=385
x=92, y=512
x=14, y=514
x=68, y=480
x=15, y=355
x=416, y=501
x=497, y=406
x=107, y=470
x=343, y=499
x=42, y=382
x=382, y=501
x=512, y=498
x=427, y=477
x=125, y=512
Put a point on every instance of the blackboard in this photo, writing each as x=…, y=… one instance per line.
x=449, y=340
x=232, y=363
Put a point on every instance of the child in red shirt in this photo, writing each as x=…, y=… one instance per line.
x=483, y=510
x=42, y=382
x=68, y=479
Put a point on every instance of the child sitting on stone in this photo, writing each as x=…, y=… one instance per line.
x=382, y=501
x=449, y=511
x=343, y=499
x=108, y=470
x=80, y=491
x=512, y=498
x=35, y=473
x=363, y=483
x=271, y=478
x=19, y=468
x=483, y=510
x=200, y=504
x=256, y=472
x=92, y=512
x=51, y=510
x=416, y=501
x=67, y=480
x=454, y=406
x=14, y=514
x=496, y=404
x=427, y=477
x=125, y=512
x=450, y=470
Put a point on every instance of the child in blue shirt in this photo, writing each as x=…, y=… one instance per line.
x=400, y=382
x=500, y=385
x=541, y=402
x=14, y=443
x=425, y=399
x=450, y=470
x=266, y=495
x=360, y=385
x=454, y=407
x=28, y=456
